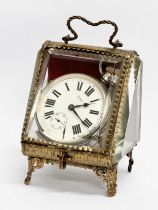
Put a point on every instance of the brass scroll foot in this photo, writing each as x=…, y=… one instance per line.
x=131, y=161
x=33, y=163
x=28, y=178
x=110, y=176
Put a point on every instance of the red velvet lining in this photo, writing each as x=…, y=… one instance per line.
x=59, y=65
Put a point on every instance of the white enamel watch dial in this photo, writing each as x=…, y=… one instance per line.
x=72, y=107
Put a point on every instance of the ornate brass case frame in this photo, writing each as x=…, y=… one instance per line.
x=101, y=161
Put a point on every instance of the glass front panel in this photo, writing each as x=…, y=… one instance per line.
x=73, y=102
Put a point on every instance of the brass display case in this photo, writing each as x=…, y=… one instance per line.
x=120, y=133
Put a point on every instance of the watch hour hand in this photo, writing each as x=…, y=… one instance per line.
x=84, y=105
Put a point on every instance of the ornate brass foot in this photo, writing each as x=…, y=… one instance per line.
x=28, y=178
x=131, y=161
x=110, y=176
x=33, y=163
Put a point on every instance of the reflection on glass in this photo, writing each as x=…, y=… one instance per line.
x=58, y=63
x=130, y=119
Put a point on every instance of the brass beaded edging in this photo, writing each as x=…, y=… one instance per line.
x=123, y=85
x=127, y=57
x=39, y=61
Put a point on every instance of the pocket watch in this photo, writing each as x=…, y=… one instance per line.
x=84, y=107
x=72, y=108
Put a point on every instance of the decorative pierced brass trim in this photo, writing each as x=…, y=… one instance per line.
x=109, y=175
x=73, y=157
x=118, y=107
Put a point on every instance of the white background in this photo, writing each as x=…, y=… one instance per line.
x=24, y=26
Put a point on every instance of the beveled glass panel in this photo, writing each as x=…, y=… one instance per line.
x=129, y=130
x=60, y=62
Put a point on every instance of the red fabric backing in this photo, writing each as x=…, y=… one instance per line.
x=59, y=65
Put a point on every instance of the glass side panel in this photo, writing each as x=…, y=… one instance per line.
x=129, y=131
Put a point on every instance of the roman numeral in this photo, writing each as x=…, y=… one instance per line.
x=94, y=112
x=76, y=129
x=50, y=103
x=67, y=87
x=94, y=100
x=56, y=93
x=89, y=91
x=87, y=123
x=79, y=86
x=48, y=114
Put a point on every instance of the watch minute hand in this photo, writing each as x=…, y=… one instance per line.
x=76, y=114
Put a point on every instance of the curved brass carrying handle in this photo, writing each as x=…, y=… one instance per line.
x=68, y=38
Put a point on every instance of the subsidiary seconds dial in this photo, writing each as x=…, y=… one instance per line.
x=72, y=107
